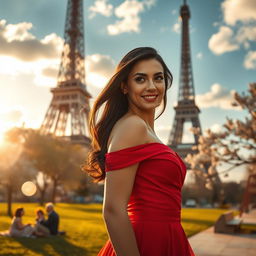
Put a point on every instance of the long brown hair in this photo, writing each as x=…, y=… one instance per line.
x=18, y=212
x=115, y=106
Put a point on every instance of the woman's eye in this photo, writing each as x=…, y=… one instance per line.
x=139, y=79
x=159, y=78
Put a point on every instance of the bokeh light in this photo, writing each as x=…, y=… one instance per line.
x=28, y=188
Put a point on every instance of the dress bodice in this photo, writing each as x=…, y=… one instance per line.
x=156, y=194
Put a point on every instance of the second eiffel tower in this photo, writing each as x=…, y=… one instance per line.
x=186, y=109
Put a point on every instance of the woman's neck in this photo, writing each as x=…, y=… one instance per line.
x=148, y=117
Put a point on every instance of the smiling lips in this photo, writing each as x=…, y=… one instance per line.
x=150, y=98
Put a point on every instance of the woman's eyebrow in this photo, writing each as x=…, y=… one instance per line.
x=158, y=73
x=140, y=74
x=143, y=74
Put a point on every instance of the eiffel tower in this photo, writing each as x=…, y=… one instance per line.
x=186, y=110
x=67, y=115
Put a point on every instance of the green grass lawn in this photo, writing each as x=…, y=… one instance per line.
x=86, y=232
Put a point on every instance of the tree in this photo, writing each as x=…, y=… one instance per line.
x=57, y=160
x=20, y=136
x=204, y=165
x=14, y=169
x=235, y=145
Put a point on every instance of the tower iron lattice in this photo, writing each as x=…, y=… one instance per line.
x=186, y=109
x=67, y=115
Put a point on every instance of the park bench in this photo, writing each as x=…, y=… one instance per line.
x=226, y=223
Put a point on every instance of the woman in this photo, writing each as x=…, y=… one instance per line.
x=40, y=223
x=143, y=177
x=40, y=219
x=17, y=228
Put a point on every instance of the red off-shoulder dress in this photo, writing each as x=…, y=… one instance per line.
x=155, y=203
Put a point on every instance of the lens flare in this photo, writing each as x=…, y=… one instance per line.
x=28, y=188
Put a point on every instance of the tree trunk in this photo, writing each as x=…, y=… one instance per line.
x=42, y=191
x=42, y=195
x=54, y=190
x=9, y=200
x=42, y=186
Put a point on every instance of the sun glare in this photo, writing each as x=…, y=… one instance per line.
x=96, y=80
x=1, y=136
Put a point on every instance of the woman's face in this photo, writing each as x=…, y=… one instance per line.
x=145, y=86
x=40, y=215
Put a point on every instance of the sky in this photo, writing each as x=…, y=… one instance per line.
x=222, y=40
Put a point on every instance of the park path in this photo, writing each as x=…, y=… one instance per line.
x=208, y=243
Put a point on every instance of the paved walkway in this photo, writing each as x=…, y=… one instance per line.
x=208, y=243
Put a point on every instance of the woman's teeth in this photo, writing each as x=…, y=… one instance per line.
x=150, y=97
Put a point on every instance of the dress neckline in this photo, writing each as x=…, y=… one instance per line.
x=140, y=145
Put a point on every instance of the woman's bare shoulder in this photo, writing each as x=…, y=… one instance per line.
x=132, y=120
x=129, y=131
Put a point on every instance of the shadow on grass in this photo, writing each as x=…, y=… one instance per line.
x=52, y=245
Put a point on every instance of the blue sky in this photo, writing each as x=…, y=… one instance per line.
x=222, y=38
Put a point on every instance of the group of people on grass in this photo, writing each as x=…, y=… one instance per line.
x=43, y=226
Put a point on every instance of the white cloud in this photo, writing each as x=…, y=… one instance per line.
x=250, y=60
x=174, y=12
x=177, y=26
x=99, y=69
x=222, y=41
x=12, y=32
x=199, y=55
x=17, y=41
x=101, y=7
x=10, y=117
x=238, y=27
x=239, y=10
x=13, y=115
x=128, y=13
x=246, y=34
x=218, y=96
x=22, y=53
x=44, y=68
x=14, y=67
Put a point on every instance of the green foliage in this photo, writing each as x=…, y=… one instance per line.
x=86, y=232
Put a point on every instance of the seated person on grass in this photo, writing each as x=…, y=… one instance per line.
x=40, y=220
x=17, y=228
x=52, y=223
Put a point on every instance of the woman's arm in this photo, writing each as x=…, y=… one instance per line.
x=118, y=188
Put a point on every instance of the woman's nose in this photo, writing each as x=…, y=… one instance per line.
x=151, y=84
